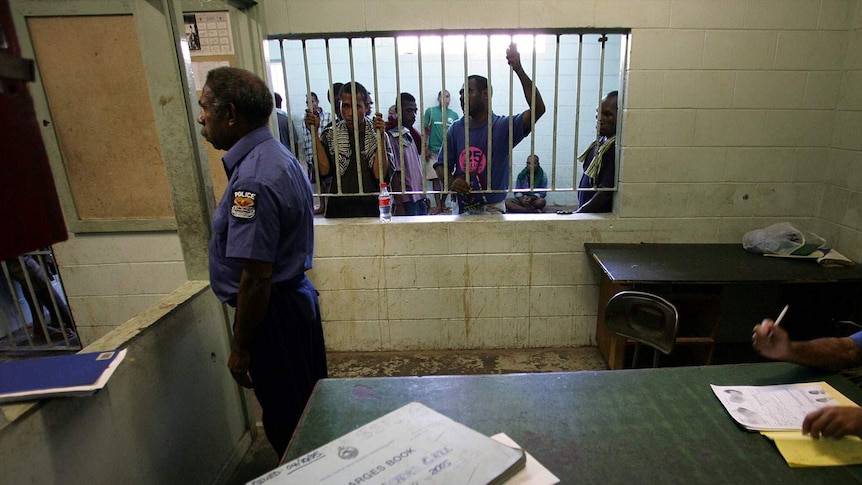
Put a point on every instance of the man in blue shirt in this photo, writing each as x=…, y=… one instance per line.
x=261, y=247
x=829, y=353
x=474, y=162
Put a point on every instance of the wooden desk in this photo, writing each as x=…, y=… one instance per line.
x=697, y=278
x=629, y=426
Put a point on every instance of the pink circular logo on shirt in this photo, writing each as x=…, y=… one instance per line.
x=477, y=160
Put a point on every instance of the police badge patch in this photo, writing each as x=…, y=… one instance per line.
x=243, y=205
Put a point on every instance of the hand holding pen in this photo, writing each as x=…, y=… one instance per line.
x=770, y=339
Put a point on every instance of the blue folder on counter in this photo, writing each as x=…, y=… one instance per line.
x=63, y=375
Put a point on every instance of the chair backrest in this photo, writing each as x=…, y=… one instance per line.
x=643, y=317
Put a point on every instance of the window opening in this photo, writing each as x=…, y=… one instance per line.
x=573, y=68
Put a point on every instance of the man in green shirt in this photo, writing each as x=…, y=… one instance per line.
x=434, y=127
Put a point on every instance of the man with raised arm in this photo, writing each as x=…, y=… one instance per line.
x=473, y=160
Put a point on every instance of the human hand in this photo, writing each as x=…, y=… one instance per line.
x=513, y=56
x=770, y=340
x=312, y=120
x=239, y=363
x=379, y=124
x=833, y=422
x=461, y=186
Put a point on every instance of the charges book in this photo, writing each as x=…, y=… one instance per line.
x=413, y=444
x=62, y=375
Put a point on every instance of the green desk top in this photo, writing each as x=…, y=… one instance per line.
x=632, y=426
x=707, y=263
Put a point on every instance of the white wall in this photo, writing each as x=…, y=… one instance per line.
x=730, y=125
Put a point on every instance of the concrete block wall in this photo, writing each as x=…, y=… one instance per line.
x=840, y=217
x=171, y=413
x=733, y=114
x=109, y=278
x=739, y=113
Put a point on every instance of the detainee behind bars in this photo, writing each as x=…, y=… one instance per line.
x=484, y=174
x=353, y=171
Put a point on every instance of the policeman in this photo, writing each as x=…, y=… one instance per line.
x=261, y=247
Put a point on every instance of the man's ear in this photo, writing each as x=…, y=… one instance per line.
x=231, y=114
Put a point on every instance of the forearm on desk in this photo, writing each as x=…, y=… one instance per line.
x=826, y=353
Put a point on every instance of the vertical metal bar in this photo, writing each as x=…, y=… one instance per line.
x=578, y=109
x=309, y=106
x=32, y=291
x=489, y=155
x=381, y=157
x=511, y=112
x=14, y=295
x=357, y=148
x=333, y=164
x=602, y=40
x=556, y=110
x=291, y=133
x=533, y=115
x=445, y=147
x=423, y=137
x=52, y=297
x=467, y=118
x=399, y=108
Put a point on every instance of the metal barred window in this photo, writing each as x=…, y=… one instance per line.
x=34, y=313
x=573, y=70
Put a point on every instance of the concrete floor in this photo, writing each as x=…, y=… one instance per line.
x=260, y=457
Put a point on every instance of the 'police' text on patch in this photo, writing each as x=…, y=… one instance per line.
x=243, y=204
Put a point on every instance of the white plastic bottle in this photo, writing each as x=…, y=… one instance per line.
x=384, y=202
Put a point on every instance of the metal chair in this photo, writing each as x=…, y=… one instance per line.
x=645, y=318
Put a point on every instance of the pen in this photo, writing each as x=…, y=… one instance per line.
x=781, y=315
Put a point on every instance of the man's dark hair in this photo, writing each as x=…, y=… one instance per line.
x=612, y=94
x=277, y=100
x=336, y=91
x=407, y=98
x=481, y=81
x=314, y=96
x=361, y=92
x=243, y=89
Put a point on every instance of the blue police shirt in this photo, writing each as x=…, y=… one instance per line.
x=265, y=214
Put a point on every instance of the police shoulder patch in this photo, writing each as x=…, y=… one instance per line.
x=243, y=204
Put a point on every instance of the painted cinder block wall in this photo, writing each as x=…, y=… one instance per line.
x=739, y=113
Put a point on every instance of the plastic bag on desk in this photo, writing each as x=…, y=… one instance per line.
x=782, y=238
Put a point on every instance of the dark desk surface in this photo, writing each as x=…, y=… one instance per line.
x=707, y=263
x=632, y=426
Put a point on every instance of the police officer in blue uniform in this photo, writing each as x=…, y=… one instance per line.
x=261, y=247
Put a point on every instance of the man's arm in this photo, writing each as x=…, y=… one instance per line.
x=383, y=139
x=313, y=124
x=514, y=58
x=824, y=353
x=598, y=200
x=255, y=287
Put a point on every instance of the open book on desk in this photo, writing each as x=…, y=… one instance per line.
x=61, y=375
x=778, y=412
x=413, y=444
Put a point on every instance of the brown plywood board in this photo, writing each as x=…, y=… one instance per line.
x=94, y=80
